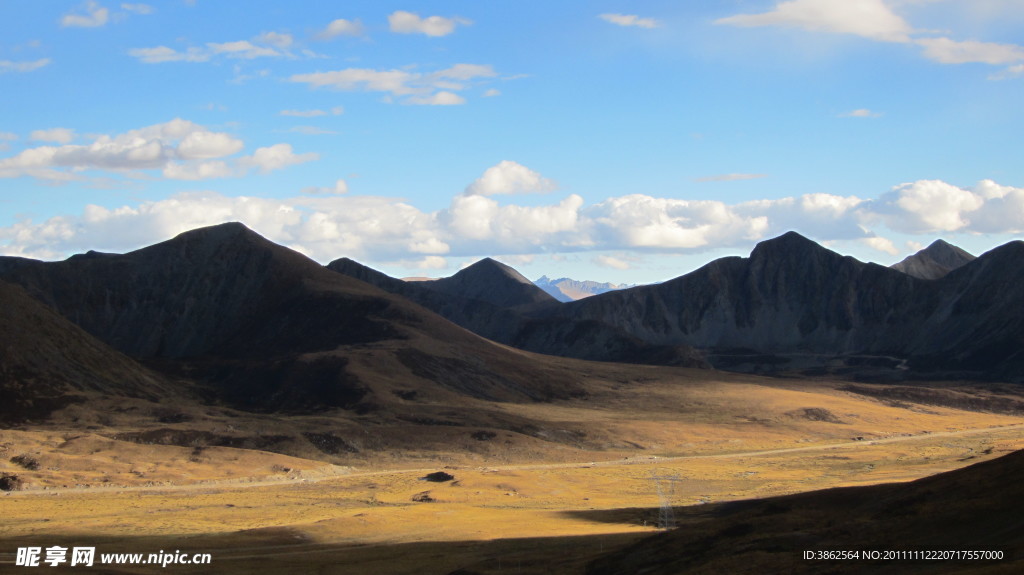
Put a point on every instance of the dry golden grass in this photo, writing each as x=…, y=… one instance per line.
x=586, y=489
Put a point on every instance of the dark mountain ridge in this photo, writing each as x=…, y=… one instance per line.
x=792, y=296
x=267, y=329
x=47, y=363
x=472, y=299
x=493, y=282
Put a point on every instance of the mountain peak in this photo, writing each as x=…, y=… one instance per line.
x=935, y=261
x=494, y=282
x=489, y=267
x=787, y=245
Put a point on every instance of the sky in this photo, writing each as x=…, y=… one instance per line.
x=616, y=141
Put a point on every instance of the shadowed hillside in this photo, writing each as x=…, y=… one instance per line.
x=975, y=508
x=46, y=362
x=267, y=329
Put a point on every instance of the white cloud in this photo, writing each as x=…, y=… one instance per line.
x=266, y=45
x=640, y=221
x=242, y=49
x=860, y=113
x=58, y=135
x=197, y=170
x=340, y=187
x=303, y=113
x=630, y=20
x=341, y=27
x=1011, y=72
x=509, y=177
x=432, y=263
x=206, y=145
x=437, y=99
x=275, y=39
x=881, y=244
x=275, y=157
x=402, y=22
x=418, y=88
x=160, y=54
x=492, y=93
x=927, y=206
x=94, y=16
x=946, y=51
x=353, y=79
x=9, y=66
x=730, y=177
x=613, y=262
x=179, y=149
x=138, y=8
x=327, y=223
x=867, y=18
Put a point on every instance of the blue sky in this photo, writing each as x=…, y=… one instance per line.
x=615, y=141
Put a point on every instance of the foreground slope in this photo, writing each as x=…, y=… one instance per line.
x=975, y=508
x=47, y=363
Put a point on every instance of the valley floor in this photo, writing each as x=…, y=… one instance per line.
x=530, y=512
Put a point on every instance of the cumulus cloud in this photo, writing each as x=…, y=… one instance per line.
x=492, y=93
x=58, y=135
x=437, y=99
x=243, y=49
x=509, y=177
x=630, y=20
x=197, y=170
x=180, y=149
x=881, y=244
x=275, y=157
x=327, y=223
x=160, y=54
x=402, y=22
x=92, y=15
x=1011, y=72
x=266, y=45
x=613, y=262
x=417, y=88
x=946, y=51
x=341, y=27
x=276, y=39
x=9, y=66
x=927, y=206
x=867, y=18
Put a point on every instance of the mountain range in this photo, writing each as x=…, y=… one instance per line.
x=263, y=328
x=567, y=289
x=792, y=306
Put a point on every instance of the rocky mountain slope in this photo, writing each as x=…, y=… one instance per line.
x=935, y=261
x=47, y=362
x=492, y=282
x=792, y=296
x=266, y=329
x=492, y=300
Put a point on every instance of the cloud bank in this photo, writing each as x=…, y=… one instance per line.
x=328, y=222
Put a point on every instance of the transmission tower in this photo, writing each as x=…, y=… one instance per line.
x=666, y=486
